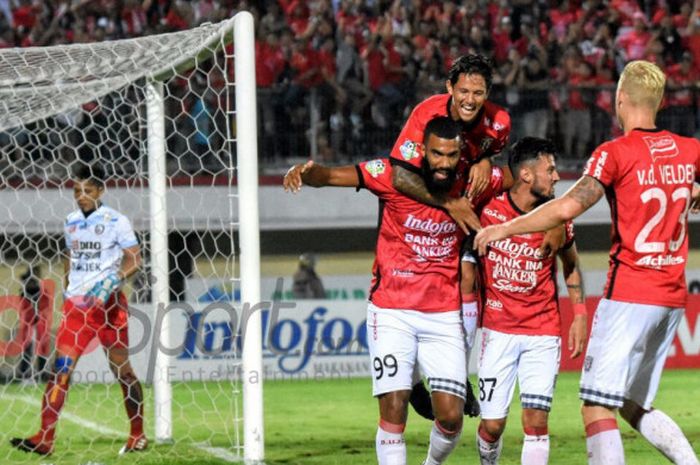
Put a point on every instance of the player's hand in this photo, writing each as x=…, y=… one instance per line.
x=695, y=199
x=461, y=210
x=101, y=291
x=489, y=234
x=554, y=240
x=577, y=335
x=292, y=180
x=479, y=178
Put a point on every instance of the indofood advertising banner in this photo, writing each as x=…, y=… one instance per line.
x=301, y=340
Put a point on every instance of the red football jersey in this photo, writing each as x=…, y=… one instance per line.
x=648, y=177
x=520, y=286
x=487, y=135
x=418, y=247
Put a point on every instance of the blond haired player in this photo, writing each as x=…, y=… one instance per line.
x=648, y=178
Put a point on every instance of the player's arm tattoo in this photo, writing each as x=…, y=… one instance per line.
x=572, y=275
x=413, y=185
x=587, y=191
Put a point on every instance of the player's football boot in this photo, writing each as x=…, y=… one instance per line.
x=29, y=445
x=471, y=405
x=421, y=402
x=134, y=444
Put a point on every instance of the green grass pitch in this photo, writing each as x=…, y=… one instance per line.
x=306, y=422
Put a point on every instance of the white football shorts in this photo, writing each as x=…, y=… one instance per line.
x=534, y=360
x=398, y=339
x=626, y=352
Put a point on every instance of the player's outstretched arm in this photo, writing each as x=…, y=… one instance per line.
x=412, y=185
x=314, y=175
x=574, y=284
x=582, y=195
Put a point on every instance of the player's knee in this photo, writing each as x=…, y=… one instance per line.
x=450, y=426
x=535, y=418
x=449, y=417
x=63, y=365
x=393, y=406
x=494, y=428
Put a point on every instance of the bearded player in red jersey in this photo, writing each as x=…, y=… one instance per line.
x=484, y=131
x=414, y=310
x=647, y=176
x=520, y=314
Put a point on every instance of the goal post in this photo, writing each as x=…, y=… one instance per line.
x=246, y=130
x=173, y=119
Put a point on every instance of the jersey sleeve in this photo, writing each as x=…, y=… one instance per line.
x=602, y=165
x=375, y=176
x=493, y=189
x=569, y=235
x=125, y=233
x=503, y=126
x=408, y=146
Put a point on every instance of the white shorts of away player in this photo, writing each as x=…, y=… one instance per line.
x=533, y=360
x=400, y=339
x=626, y=352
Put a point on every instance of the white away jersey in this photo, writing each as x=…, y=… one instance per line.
x=95, y=246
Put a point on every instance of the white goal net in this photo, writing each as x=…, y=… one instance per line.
x=171, y=119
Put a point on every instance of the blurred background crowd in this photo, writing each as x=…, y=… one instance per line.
x=338, y=78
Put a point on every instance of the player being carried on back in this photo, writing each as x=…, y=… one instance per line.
x=101, y=253
x=484, y=130
x=520, y=316
x=414, y=310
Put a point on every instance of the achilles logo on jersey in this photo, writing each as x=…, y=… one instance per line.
x=429, y=226
x=657, y=261
x=661, y=146
x=515, y=249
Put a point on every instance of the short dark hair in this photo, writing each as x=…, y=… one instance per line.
x=93, y=173
x=443, y=127
x=526, y=149
x=472, y=63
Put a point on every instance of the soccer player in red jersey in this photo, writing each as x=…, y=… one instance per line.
x=101, y=252
x=647, y=176
x=414, y=310
x=484, y=130
x=520, y=314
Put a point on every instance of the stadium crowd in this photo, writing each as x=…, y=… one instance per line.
x=338, y=77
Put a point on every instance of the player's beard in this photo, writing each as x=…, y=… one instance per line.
x=437, y=186
x=540, y=196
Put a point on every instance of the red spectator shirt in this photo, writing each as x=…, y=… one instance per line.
x=648, y=177
x=681, y=97
x=520, y=284
x=487, y=135
x=635, y=44
x=418, y=246
x=269, y=64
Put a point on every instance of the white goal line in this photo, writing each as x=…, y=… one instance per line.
x=218, y=452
